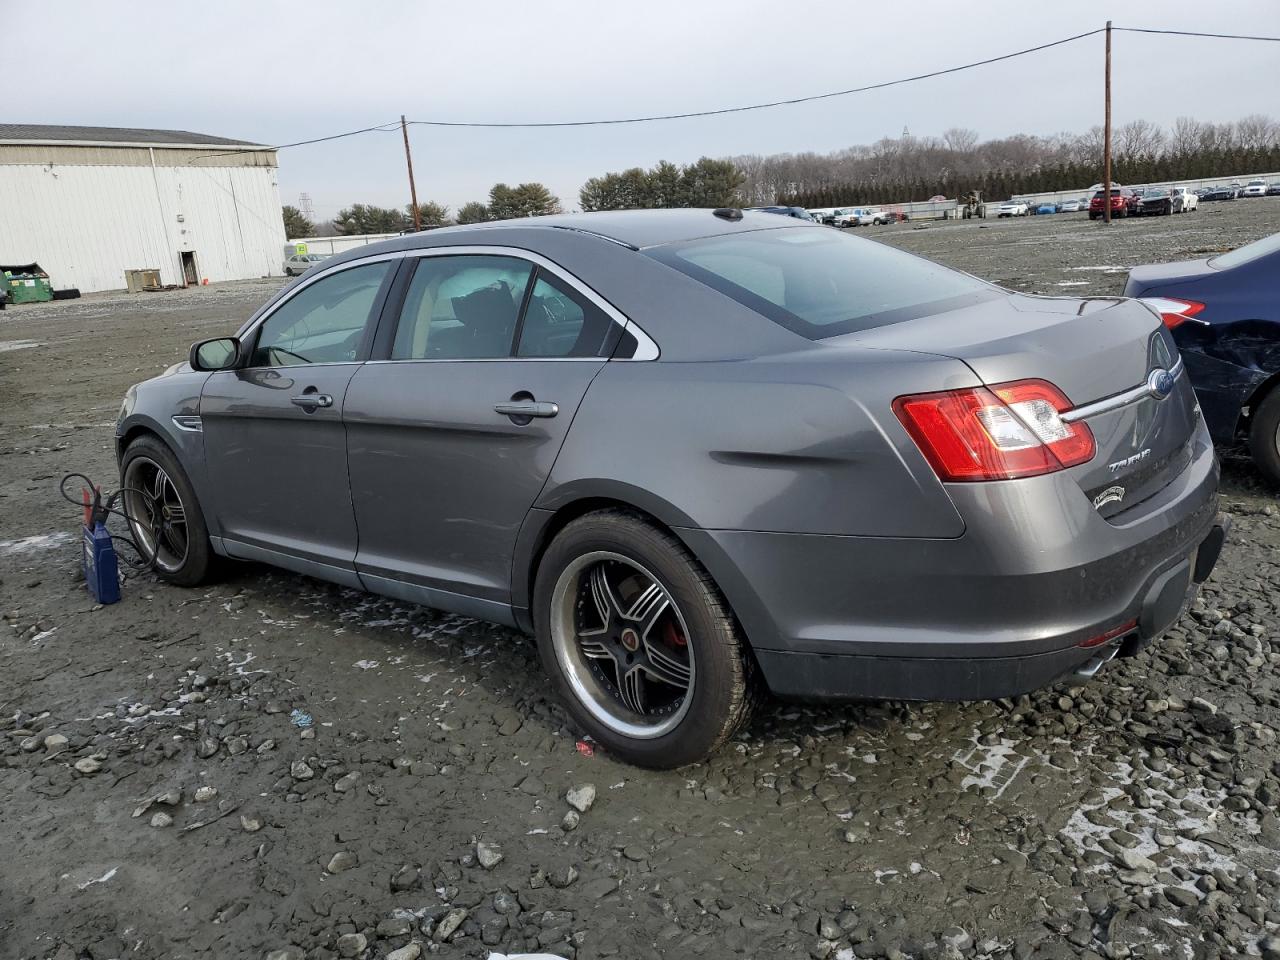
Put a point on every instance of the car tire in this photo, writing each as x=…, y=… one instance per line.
x=587, y=642
x=153, y=483
x=1264, y=436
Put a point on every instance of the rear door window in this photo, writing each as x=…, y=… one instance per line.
x=461, y=308
x=559, y=321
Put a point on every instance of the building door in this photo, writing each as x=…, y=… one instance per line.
x=189, y=274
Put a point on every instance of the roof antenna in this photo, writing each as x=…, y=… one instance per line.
x=727, y=213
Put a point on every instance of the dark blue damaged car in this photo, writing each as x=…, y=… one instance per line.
x=1224, y=313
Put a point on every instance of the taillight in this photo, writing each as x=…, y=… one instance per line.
x=995, y=433
x=1172, y=311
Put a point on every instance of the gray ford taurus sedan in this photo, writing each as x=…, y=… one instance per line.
x=699, y=454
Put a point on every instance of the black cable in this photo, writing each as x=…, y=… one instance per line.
x=103, y=509
x=765, y=106
x=1193, y=33
x=391, y=125
x=379, y=128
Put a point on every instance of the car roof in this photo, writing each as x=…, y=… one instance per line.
x=634, y=228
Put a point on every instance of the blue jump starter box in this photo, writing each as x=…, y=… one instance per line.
x=97, y=552
x=101, y=569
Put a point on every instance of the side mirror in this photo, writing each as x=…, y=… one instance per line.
x=220, y=354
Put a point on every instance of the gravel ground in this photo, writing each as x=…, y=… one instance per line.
x=163, y=798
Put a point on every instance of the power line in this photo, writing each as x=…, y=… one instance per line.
x=765, y=106
x=392, y=125
x=381, y=128
x=1193, y=33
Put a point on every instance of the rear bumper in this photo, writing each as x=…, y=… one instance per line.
x=998, y=611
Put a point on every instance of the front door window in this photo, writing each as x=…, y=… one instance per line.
x=324, y=322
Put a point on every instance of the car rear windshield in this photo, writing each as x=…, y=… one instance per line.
x=820, y=283
x=1248, y=253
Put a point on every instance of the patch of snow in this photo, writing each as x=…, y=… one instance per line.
x=43, y=541
x=993, y=766
x=102, y=879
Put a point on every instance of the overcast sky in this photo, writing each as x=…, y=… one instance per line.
x=279, y=72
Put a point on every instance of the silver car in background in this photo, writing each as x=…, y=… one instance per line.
x=300, y=263
x=700, y=455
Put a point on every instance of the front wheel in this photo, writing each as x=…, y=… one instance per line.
x=165, y=519
x=640, y=645
x=1264, y=436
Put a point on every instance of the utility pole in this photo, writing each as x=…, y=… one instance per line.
x=1106, y=139
x=413, y=190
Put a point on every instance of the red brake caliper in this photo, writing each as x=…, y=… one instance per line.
x=672, y=636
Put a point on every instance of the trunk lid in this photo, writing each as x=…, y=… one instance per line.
x=1142, y=279
x=1097, y=352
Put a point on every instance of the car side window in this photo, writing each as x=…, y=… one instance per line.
x=559, y=321
x=461, y=308
x=324, y=322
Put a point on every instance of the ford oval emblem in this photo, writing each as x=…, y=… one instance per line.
x=1160, y=383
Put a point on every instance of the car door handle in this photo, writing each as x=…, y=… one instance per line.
x=527, y=408
x=310, y=401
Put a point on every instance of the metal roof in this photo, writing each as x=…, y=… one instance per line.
x=112, y=136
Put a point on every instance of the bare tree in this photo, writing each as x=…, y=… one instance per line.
x=958, y=155
x=1186, y=137
x=1256, y=132
x=1138, y=138
x=960, y=139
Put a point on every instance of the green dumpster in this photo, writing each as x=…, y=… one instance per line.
x=26, y=283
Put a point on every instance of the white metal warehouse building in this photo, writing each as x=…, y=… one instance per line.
x=89, y=203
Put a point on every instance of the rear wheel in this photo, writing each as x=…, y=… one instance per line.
x=165, y=520
x=639, y=642
x=1264, y=436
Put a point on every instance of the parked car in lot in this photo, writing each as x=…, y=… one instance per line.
x=1073, y=206
x=1124, y=202
x=905, y=483
x=852, y=216
x=1013, y=208
x=300, y=263
x=875, y=218
x=1273, y=189
x=830, y=216
x=1047, y=207
x=800, y=213
x=1255, y=188
x=1190, y=199
x=1160, y=201
x=1218, y=193
x=1224, y=313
